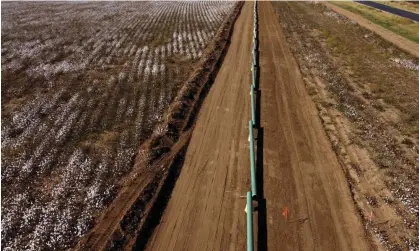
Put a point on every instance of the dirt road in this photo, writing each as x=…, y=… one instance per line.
x=299, y=171
x=205, y=211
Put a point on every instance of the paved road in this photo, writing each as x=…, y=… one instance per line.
x=403, y=13
x=295, y=160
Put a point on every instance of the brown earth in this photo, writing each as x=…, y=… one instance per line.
x=128, y=219
x=366, y=92
x=296, y=163
x=301, y=170
x=323, y=141
x=205, y=211
x=83, y=86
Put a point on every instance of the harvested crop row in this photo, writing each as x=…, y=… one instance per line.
x=83, y=85
x=366, y=93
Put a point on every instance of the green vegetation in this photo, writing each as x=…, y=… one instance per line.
x=399, y=25
x=403, y=5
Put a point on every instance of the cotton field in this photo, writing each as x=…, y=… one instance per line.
x=83, y=85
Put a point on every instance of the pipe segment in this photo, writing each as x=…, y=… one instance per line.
x=252, y=160
x=252, y=102
x=252, y=194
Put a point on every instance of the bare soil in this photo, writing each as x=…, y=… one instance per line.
x=300, y=169
x=127, y=222
x=84, y=87
x=296, y=165
x=366, y=93
x=205, y=211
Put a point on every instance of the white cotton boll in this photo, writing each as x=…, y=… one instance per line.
x=155, y=69
x=188, y=53
x=65, y=129
x=132, y=51
x=147, y=69
x=122, y=77
x=79, y=181
x=82, y=223
x=409, y=64
x=175, y=46
x=141, y=67
x=130, y=109
x=163, y=52
x=169, y=49
x=179, y=38
x=26, y=168
x=92, y=192
x=111, y=82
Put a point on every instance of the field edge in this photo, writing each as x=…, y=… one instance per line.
x=157, y=173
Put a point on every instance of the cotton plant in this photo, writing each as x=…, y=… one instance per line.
x=58, y=137
x=406, y=63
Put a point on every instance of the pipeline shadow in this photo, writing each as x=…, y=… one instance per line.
x=262, y=233
x=257, y=108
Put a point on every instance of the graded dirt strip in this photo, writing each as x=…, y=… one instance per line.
x=401, y=42
x=300, y=169
x=205, y=211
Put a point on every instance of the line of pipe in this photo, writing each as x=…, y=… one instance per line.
x=252, y=160
x=252, y=194
x=252, y=104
